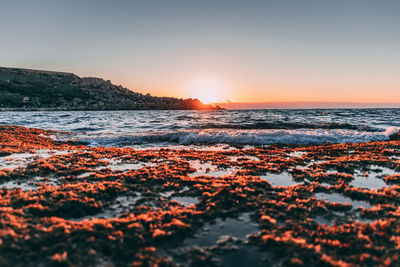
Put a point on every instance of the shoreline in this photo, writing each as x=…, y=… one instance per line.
x=69, y=204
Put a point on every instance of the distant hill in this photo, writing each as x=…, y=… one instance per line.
x=25, y=89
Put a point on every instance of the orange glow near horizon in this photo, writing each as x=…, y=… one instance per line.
x=230, y=86
x=211, y=91
x=207, y=91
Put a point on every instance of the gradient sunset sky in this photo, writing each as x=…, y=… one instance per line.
x=250, y=51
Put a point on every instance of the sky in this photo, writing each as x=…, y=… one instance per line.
x=238, y=51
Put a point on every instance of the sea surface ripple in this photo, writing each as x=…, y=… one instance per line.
x=146, y=129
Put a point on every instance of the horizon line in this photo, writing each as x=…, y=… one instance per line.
x=305, y=105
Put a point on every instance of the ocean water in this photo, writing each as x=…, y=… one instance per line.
x=217, y=129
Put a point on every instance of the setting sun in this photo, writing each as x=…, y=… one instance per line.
x=207, y=91
x=207, y=95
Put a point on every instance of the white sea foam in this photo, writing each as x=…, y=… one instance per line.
x=240, y=137
x=391, y=130
x=277, y=136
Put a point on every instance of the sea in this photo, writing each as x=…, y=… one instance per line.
x=224, y=129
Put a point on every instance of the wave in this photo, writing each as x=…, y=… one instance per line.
x=238, y=137
x=279, y=125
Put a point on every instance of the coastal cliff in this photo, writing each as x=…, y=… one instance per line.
x=26, y=89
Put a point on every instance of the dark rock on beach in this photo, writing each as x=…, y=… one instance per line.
x=395, y=136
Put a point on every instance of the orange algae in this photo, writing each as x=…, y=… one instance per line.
x=89, y=213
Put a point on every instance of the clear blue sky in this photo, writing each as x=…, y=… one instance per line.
x=312, y=50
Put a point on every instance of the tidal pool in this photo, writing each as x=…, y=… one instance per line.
x=186, y=201
x=208, y=169
x=336, y=197
x=211, y=232
x=281, y=179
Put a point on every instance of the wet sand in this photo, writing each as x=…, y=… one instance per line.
x=68, y=204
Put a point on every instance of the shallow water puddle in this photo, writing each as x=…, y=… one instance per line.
x=384, y=171
x=24, y=185
x=335, y=197
x=341, y=218
x=311, y=165
x=15, y=161
x=208, y=169
x=245, y=255
x=373, y=178
x=166, y=193
x=296, y=154
x=244, y=158
x=368, y=181
x=323, y=220
x=127, y=166
x=47, y=181
x=124, y=203
x=336, y=217
x=22, y=160
x=170, y=192
x=281, y=179
x=121, y=205
x=85, y=174
x=30, y=184
x=118, y=165
x=186, y=201
x=211, y=232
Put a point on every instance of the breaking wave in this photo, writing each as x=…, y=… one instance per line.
x=239, y=137
x=142, y=129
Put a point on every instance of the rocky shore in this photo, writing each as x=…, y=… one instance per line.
x=66, y=204
x=25, y=89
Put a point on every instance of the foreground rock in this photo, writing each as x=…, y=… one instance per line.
x=72, y=205
x=24, y=89
x=395, y=137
